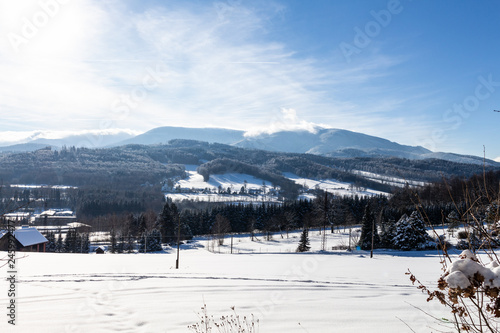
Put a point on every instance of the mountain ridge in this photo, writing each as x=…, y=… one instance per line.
x=328, y=142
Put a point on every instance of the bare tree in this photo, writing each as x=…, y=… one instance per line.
x=221, y=227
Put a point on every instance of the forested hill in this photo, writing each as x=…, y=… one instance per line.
x=132, y=165
x=115, y=167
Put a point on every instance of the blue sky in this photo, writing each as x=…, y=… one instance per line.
x=415, y=72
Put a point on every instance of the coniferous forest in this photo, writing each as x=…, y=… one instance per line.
x=119, y=190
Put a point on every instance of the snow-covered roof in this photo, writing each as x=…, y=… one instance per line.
x=29, y=236
x=64, y=213
x=78, y=225
x=49, y=212
x=18, y=214
x=53, y=212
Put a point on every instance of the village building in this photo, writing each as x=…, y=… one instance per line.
x=79, y=227
x=100, y=250
x=25, y=240
x=54, y=218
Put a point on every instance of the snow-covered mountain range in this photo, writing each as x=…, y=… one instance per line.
x=30, y=141
x=323, y=141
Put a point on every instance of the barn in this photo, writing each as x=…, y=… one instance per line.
x=26, y=240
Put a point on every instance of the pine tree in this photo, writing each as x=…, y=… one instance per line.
x=129, y=246
x=142, y=225
x=51, y=244
x=85, y=242
x=78, y=246
x=168, y=222
x=120, y=247
x=387, y=234
x=113, y=241
x=59, y=243
x=132, y=225
x=70, y=242
x=410, y=233
x=304, y=241
x=153, y=241
x=368, y=227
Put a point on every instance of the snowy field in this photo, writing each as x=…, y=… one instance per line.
x=226, y=198
x=334, y=291
x=332, y=186
x=394, y=181
x=235, y=181
x=55, y=187
x=231, y=180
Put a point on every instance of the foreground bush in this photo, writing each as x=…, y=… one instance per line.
x=226, y=324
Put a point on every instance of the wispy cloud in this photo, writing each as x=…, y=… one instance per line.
x=93, y=66
x=18, y=137
x=287, y=120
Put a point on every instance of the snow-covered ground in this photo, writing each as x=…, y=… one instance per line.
x=333, y=291
x=55, y=187
x=235, y=181
x=231, y=180
x=332, y=186
x=226, y=198
x=394, y=181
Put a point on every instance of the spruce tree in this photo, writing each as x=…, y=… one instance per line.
x=368, y=227
x=85, y=242
x=59, y=243
x=129, y=246
x=51, y=244
x=141, y=224
x=70, y=242
x=78, y=246
x=153, y=241
x=120, y=247
x=387, y=234
x=304, y=241
x=113, y=241
x=168, y=222
x=410, y=233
